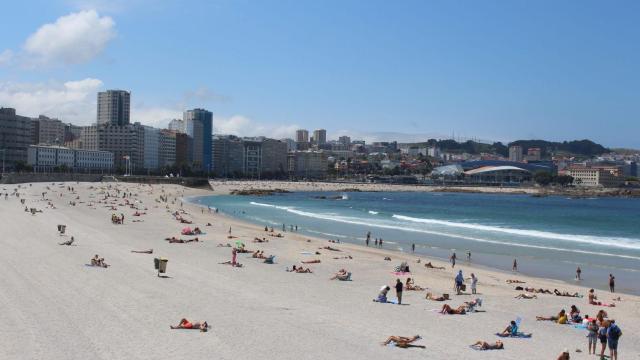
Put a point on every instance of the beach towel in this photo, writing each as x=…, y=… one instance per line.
x=400, y=273
x=517, y=335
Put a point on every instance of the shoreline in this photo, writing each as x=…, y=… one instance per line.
x=490, y=262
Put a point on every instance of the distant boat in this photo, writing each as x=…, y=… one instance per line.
x=345, y=197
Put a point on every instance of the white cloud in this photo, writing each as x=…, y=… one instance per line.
x=243, y=126
x=6, y=57
x=71, y=39
x=72, y=101
x=154, y=116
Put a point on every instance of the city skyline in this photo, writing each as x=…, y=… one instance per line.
x=520, y=80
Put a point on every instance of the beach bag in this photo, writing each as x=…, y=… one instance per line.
x=463, y=287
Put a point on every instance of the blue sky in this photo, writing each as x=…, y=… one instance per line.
x=495, y=70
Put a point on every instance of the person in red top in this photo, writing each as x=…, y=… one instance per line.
x=186, y=324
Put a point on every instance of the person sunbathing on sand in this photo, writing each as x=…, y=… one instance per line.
x=593, y=299
x=460, y=310
x=330, y=248
x=98, y=261
x=403, y=342
x=410, y=285
x=439, y=298
x=68, y=242
x=150, y=251
x=225, y=245
x=186, y=324
x=538, y=291
x=565, y=293
x=525, y=296
x=340, y=273
x=483, y=345
x=299, y=270
x=561, y=314
x=511, y=330
x=509, y=281
x=430, y=266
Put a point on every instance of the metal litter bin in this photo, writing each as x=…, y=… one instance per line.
x=160, y=265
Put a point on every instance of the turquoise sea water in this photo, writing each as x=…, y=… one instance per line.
x=549, y=236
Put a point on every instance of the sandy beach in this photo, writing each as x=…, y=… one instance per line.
x=56, y=307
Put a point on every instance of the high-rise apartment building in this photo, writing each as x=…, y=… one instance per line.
x=16, y=134
x=345, y=140
x=114, y=107
x=302, y=136
x=515, y=153
x=50, y=131
x=320, y=136
x=125, y=142
x=151, y=147
x=167, y=148
x=228, y=152
x=308, y=164
x=198, y=126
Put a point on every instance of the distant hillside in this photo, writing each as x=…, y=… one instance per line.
x=586, y=148
x=576, y=147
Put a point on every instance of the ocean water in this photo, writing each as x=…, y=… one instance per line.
x=549, y=236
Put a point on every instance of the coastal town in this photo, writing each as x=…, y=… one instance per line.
x=117, y=144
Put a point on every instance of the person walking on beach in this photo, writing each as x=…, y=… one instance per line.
x=515, y=265
x=474, y=282
x=469, y=255
x=413, y=247
x=612, y=283
x=459, y=281
x=453, y=260
x=578, y=273
x=399, y=291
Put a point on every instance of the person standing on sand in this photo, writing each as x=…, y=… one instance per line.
x=613, y=334
x=578, y=273
x=399, y=291
x=612, y=283
x=234, y=255
x=474, y=282
x=459, y=281
x=453, y=260
x=515, y=265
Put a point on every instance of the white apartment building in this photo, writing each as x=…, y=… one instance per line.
x=594, y=177
x=44, y=157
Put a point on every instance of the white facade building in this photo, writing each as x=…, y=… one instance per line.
x=43, y=157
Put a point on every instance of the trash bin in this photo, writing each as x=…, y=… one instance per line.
x=63, y=228
x=162, y=268
x=156, y=263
